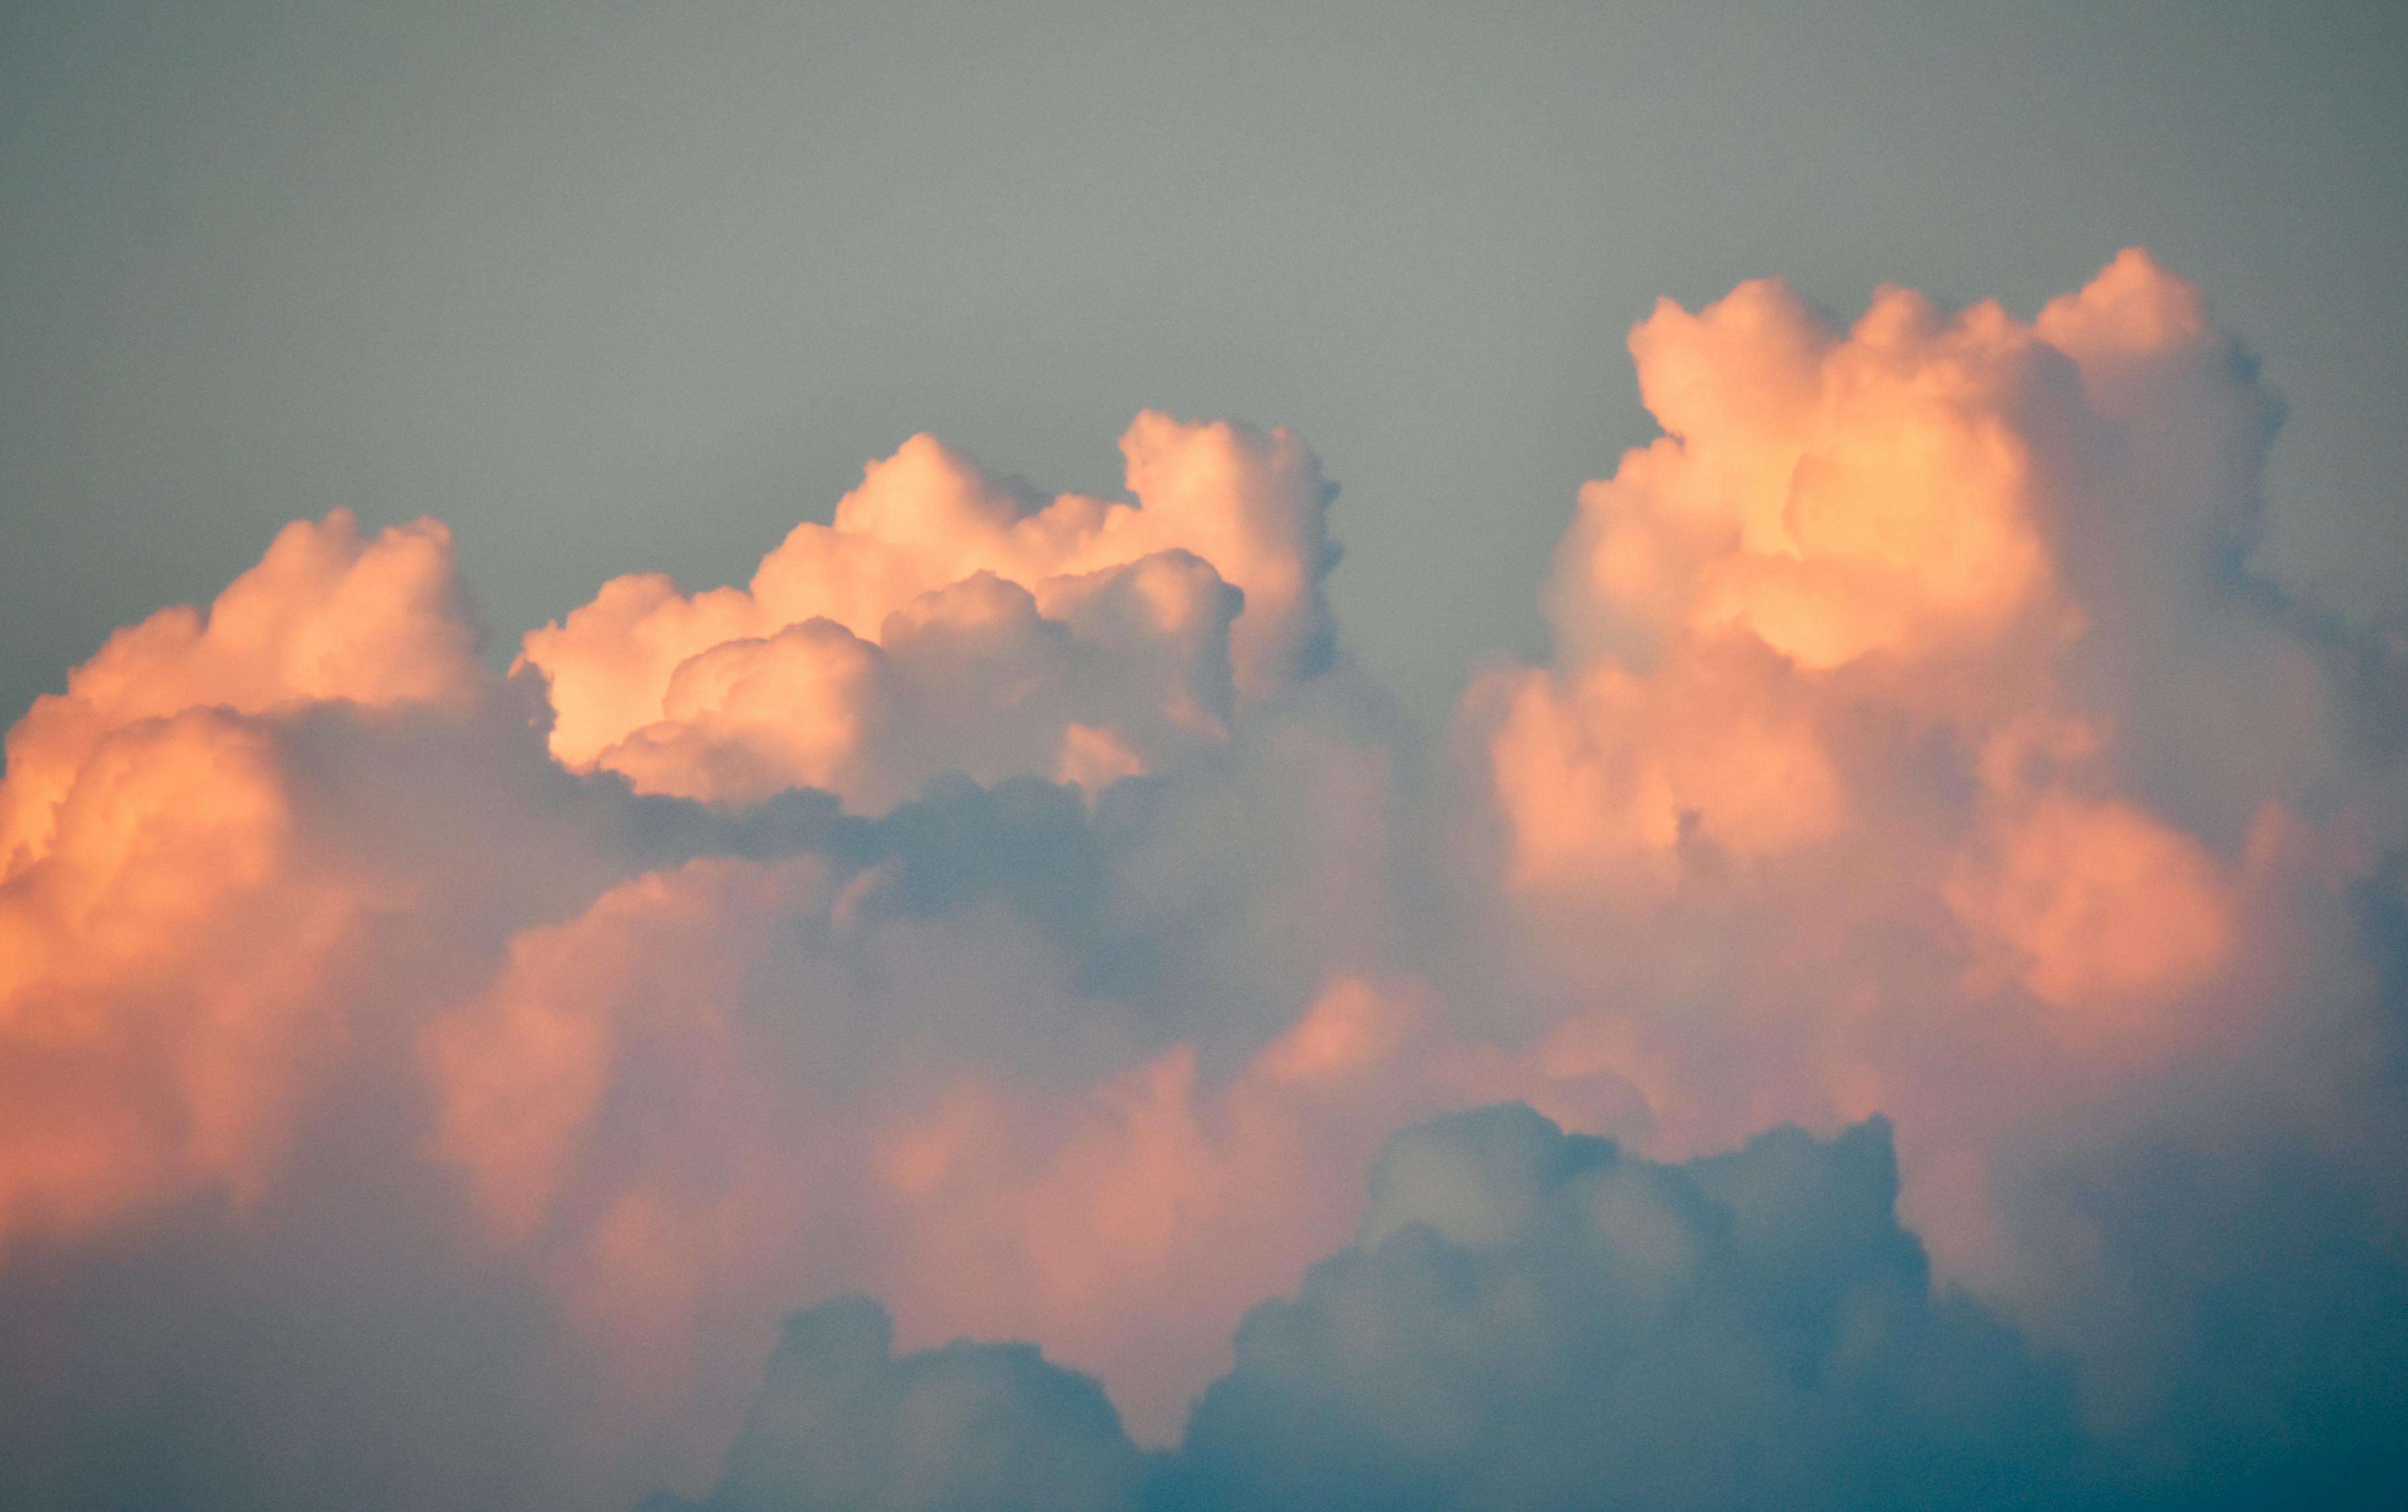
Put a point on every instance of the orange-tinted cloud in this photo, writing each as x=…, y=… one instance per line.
x=1909, y=749
x=1610, y=772
x=1888, y=760
x=667, y=1098
x=164, y=947
x=2099, y=903
x=942, y=622
x=1842, y=543
x=325, y=615
x=1834, y=497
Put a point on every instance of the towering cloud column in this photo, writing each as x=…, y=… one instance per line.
x=1917, y=740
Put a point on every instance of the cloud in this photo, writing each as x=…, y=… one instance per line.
x=1527, y=1320
x=325, y=615
x=944, y=622
x=1837, y=531
x=167, y=950
x=1532, y=1320
x=332, y=1342
x=1919, y=741
x=735, y=1081
x=844, y=1423
x=1018, y=910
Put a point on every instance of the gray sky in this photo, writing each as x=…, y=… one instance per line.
x=612, y=287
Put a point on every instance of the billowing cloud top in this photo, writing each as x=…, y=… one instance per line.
x=1925, y=650
x=1952, y=524
x=163, y=941
x=426, y=1087
x=943, y=621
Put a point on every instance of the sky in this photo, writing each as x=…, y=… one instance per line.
x=612, y=288
x=1171, y=759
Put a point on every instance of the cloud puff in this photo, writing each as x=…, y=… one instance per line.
x=1917, y=738
x=945, y=621
x=1850, y=542
x=166, y=945
x=299, y=847
x=844, y=1423
x=1527, y=1320
x=1532, y=1320
x=726, y=1084
x=325, y=615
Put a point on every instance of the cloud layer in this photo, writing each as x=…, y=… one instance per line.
x=1022, y=911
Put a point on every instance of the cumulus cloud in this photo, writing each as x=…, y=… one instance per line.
x=168, y=949
x=1531, y=1320
x=1527, y=1320
x=844, y=1423
x=325, y=615
x=1838, y=530
x=1917, y=727
x=945, y=621
x=1020, y=911
x=737, y=1081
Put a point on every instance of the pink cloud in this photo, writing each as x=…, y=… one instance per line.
x=167, y=948
x=1913, y=746
x=940, y=622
